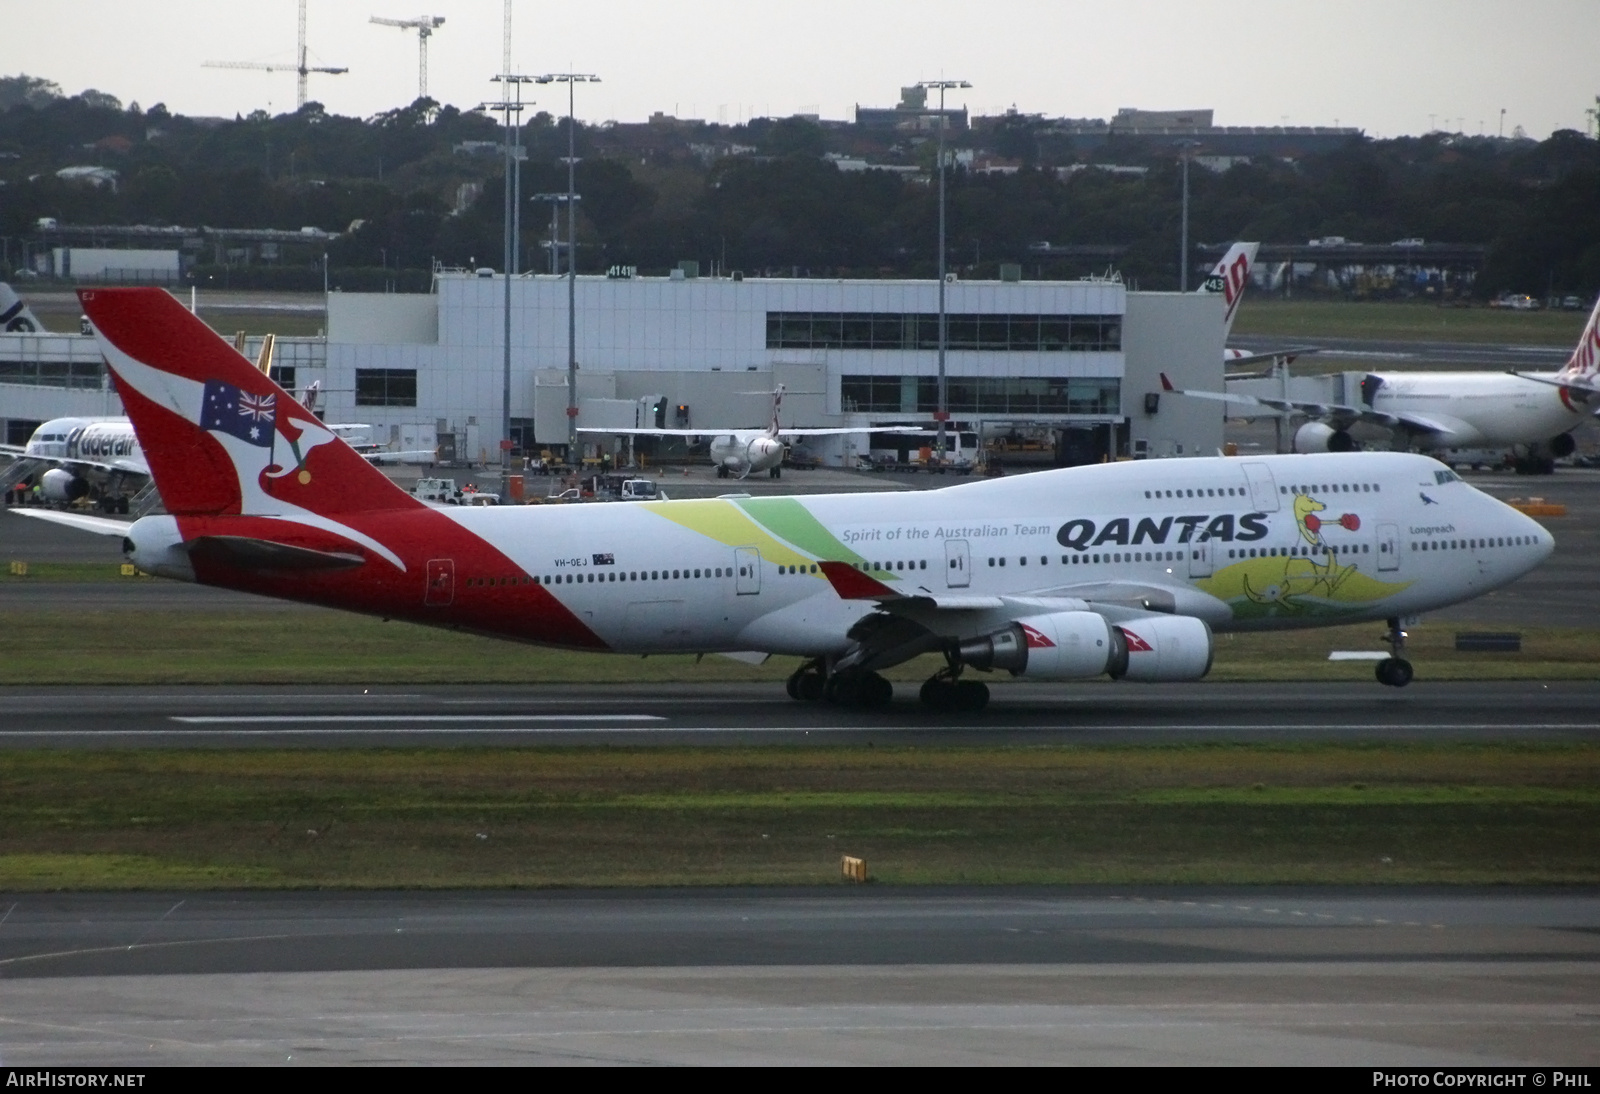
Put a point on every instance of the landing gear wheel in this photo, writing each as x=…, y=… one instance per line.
x=805, y=683
x=944, y=693
x=122, y=505
x=775, y=473
x=971, y=695
x=722, y=472
x=858, y=689
x=1395, y=672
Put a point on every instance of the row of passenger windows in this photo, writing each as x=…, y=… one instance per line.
x=1470, y=544
x=1105, y=556
x=1239, y=491
x=1305, y=552
x=590, y=577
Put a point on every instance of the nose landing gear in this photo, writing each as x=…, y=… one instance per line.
x=1394, y=671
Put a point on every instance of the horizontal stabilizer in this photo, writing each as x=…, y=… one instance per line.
x=249, y=553
x=100, y=526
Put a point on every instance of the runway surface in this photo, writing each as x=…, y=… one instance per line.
x=1382, y=354
x=738, y=714
x=1287, y=976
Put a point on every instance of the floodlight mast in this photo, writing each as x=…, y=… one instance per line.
x=424, y=25
x=508, y=106
x=571, y=79
x=942, y=415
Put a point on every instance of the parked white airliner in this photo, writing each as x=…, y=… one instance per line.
x=1121, y=569
x=1531, y=414
x=739, y=453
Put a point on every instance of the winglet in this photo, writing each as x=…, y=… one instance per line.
x=851, y=584
x=1166, y=384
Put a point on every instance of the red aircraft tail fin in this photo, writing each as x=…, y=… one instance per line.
x=220, y=436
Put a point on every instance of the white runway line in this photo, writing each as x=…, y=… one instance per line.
x=243, y=719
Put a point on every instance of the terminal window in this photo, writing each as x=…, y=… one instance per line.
x=1002, y=333
x=386, y=387
x=981, y=395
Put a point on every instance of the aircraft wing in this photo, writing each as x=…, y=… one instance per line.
x=100, y=526
x=838, y=431
x=1336, y=414
x=636, y=432
x=1271, y=355
x=412, y=455
x=124, y=466
x=1114, y=599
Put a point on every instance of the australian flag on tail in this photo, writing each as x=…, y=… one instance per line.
x=251, y=418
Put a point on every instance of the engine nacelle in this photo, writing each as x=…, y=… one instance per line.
x=59, y=485
x=1166, y=648
x=1562, y=445
x=155, y=545
x=1057, y=646
x=1320, y=437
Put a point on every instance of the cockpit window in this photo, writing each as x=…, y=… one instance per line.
x=1444, y=476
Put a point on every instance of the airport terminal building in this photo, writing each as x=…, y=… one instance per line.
x=1076, y=361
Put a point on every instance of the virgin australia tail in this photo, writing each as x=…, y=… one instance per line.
x=1584, y=363
x=1229, y=277
x=220, y=436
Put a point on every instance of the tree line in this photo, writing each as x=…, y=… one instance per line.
x=426, y=181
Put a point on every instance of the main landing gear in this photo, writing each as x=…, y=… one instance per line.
x=811, y=683
x=946, y=690
x=1394, y=671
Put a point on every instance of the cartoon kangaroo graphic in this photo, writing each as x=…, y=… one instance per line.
x=1303, y=576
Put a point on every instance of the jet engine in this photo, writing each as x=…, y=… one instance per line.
x=155, y=545
x=1562, y=445
x=1078, y=645
x=59, y=485
x=1320, y=437
x=1166, y=648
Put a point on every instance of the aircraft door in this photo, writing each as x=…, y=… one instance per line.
x=747, y=568
x=441, y=591
x=1263, y=489
x=957, y=564
x=1200, y=558
x=1388, y=547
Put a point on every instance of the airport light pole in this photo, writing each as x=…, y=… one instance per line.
x=571, y=79
x=942, y=415
x=1185, y=149
x=508, y=106
x=556, y=200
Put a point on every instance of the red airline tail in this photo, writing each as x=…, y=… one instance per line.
x=221, y=437
x=1585, y=360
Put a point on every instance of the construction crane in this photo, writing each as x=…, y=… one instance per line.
x=424, y=25
x=302, y=69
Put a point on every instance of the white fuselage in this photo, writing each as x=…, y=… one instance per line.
x=1274, y=542
x=746, y=452
x=106, y=443
x=1481, y=409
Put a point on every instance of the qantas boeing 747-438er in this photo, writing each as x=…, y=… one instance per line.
x=1124, y=569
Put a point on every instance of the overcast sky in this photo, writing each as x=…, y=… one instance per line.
x=1390, y=67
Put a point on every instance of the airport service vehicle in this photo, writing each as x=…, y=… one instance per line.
x=1530, y=414
x=743, y=452
x=439, y=491
x=1122, y=569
